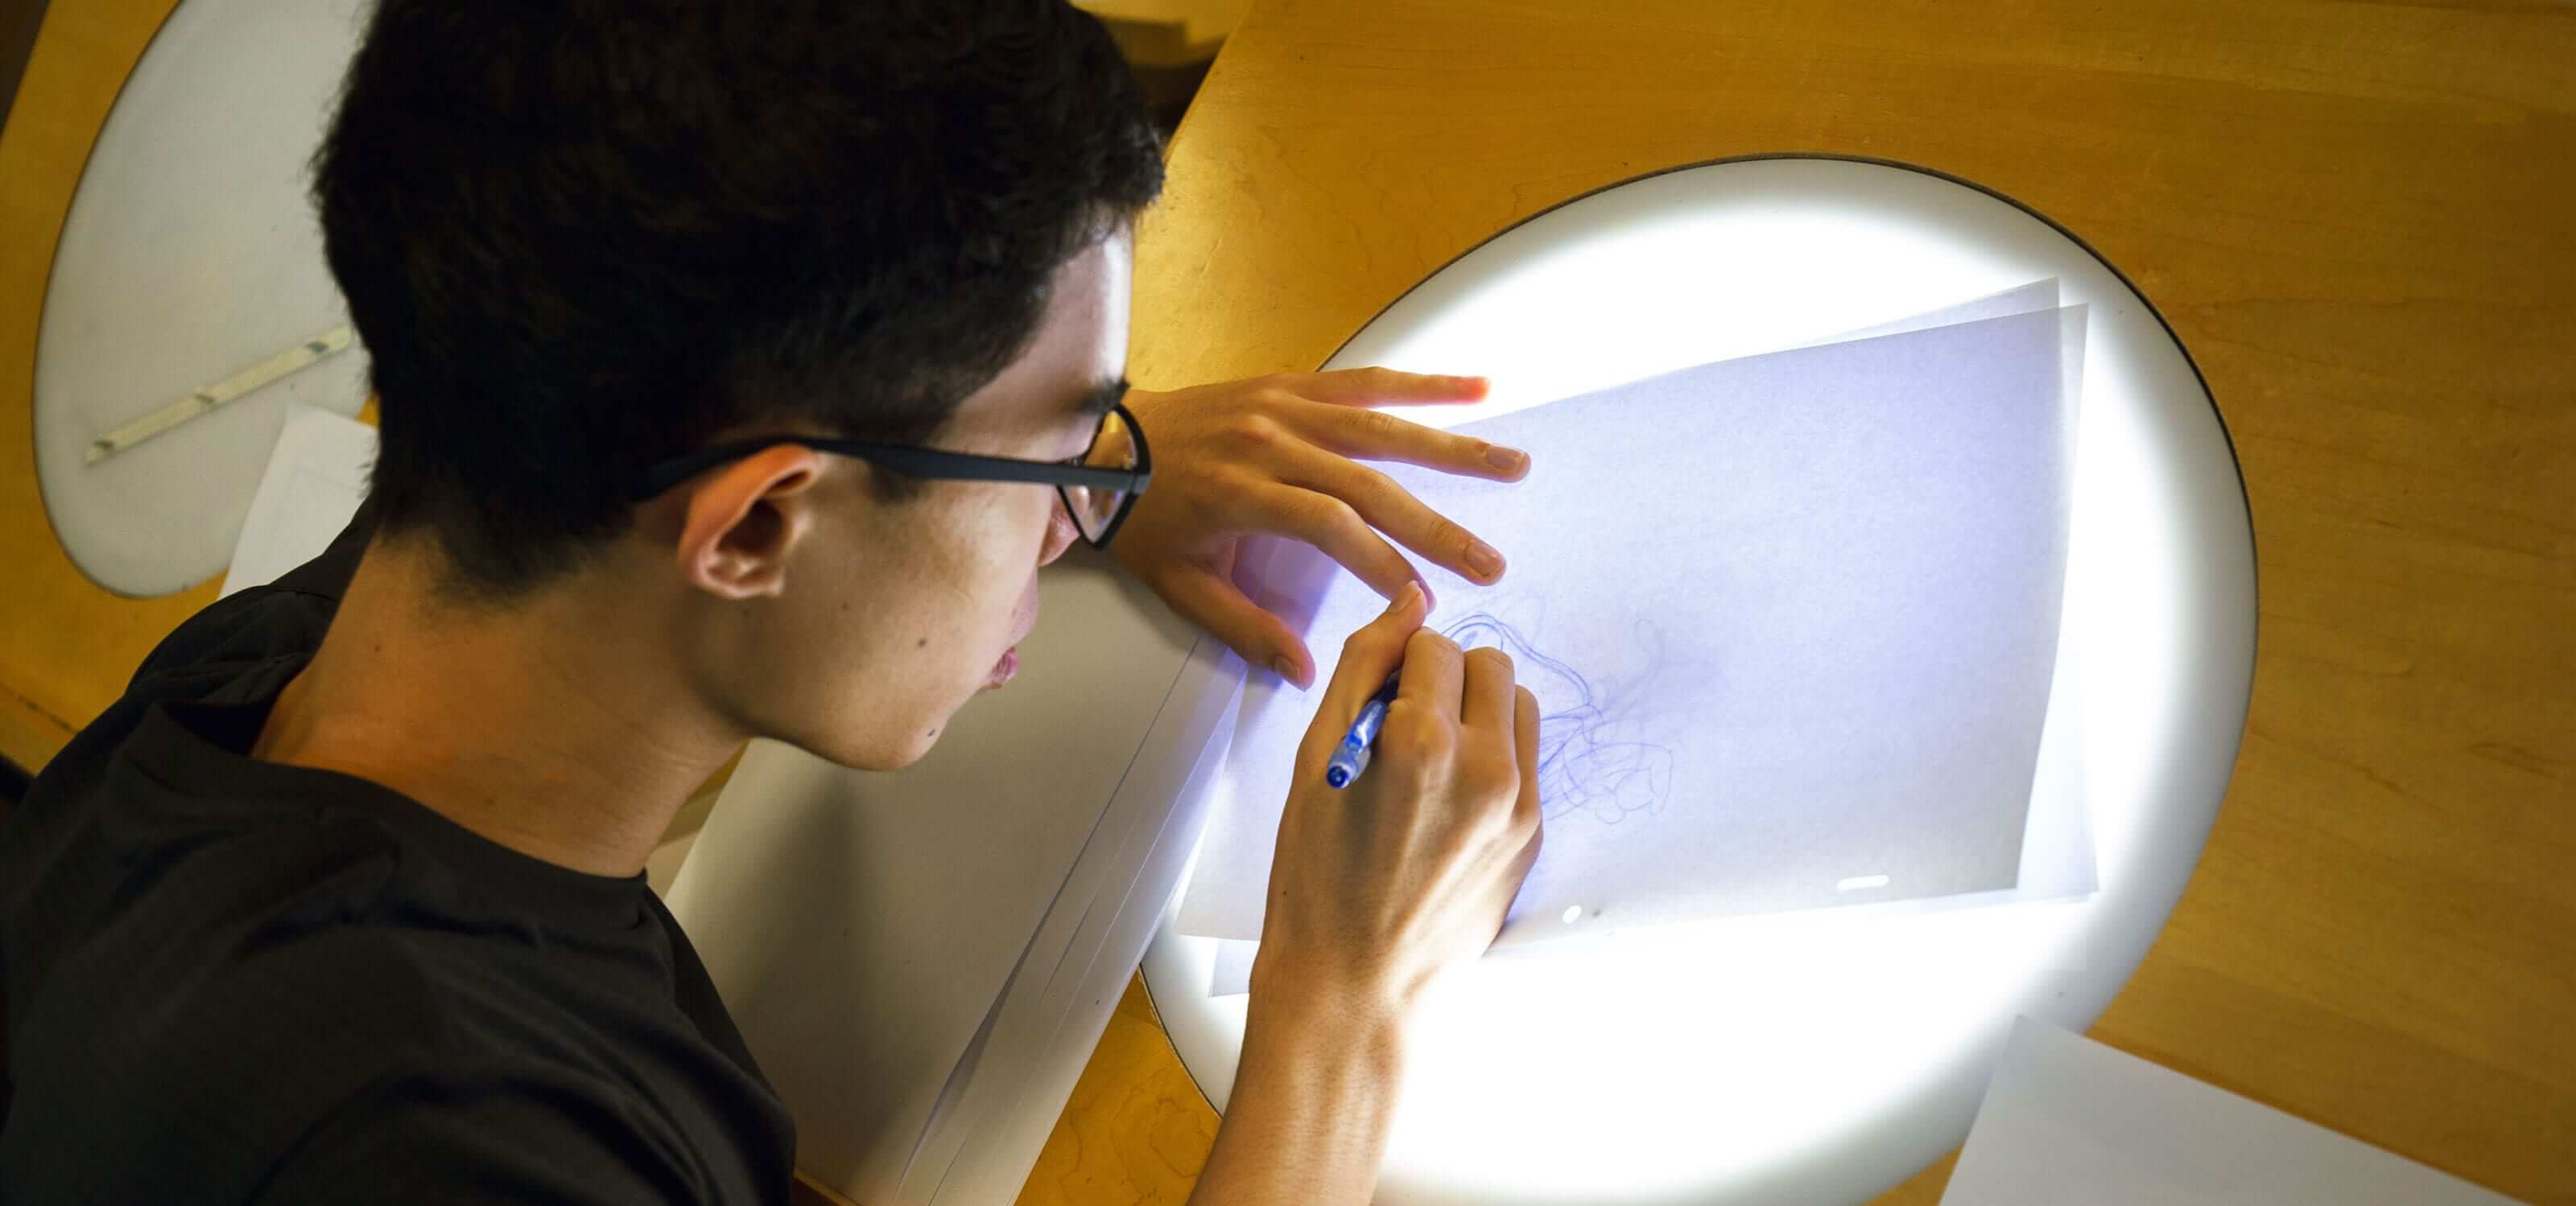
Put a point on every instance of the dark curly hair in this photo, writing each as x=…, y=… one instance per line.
x=581, y=236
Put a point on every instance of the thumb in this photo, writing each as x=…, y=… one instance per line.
x=1372, y=653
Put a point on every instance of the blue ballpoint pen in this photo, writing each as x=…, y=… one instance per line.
x=1352, y=755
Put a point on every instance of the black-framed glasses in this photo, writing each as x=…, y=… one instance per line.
x=1098, y=488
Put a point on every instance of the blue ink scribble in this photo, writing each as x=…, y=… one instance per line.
x=1588, y=761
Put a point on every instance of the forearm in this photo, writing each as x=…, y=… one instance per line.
x=1313, y=1098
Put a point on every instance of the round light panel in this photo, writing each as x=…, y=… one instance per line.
x=1820, y=1056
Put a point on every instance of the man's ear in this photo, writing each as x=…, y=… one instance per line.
x=740, y=522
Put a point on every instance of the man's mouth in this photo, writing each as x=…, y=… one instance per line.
x=1024, y=619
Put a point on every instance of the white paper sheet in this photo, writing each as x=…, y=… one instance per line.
x=316, y=477
x=2067, y=1119
x=2057, y=863
x=2020, y=299
x=1794, y=616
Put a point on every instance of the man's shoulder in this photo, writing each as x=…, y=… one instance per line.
x=230, y=636
x=281, y=1030
x=263, y=622
x=353, y=1057
x=195, y=1090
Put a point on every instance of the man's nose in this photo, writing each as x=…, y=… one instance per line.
x=1060, y=533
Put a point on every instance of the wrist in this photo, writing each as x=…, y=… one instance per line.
x=1319, y=1009
x=1314, y=1095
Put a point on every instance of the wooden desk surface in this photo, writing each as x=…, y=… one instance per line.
x=2355, y=215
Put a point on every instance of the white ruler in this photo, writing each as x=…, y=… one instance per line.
x=282, y=365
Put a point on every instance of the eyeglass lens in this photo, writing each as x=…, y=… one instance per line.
x=1094, y=510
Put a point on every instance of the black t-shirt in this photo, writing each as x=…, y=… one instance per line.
x=236, y=981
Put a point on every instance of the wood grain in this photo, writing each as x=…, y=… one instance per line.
x=2356, y=216
x=1136, y=1129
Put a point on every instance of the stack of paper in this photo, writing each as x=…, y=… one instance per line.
x=922, y=961
x=1792, y=620
x=2067, y=1119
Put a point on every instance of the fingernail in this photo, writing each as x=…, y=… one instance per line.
x=1403, y=598
x=1285, y=668
x=1482, y=558
x=1509, y=460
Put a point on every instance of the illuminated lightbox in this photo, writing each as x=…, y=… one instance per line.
x=1818, y=1053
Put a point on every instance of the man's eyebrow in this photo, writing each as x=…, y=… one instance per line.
x=1102, y=397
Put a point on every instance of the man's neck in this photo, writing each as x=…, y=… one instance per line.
x=548, y=728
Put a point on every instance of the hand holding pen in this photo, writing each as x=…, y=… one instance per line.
x=1390, y=876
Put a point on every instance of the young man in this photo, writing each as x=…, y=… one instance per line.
x=740, y=364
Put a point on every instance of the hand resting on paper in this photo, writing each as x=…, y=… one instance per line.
x=1374, y=891
x=1281, y=456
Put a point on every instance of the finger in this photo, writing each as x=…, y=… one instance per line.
x=1487, y=703
x=1384, y=505
x=1434, y=672
x=1525, y=744
x=1388, y=387
x=1374, y=435
x=1262, y=639
x=1372, y=653
x=1336, y=529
